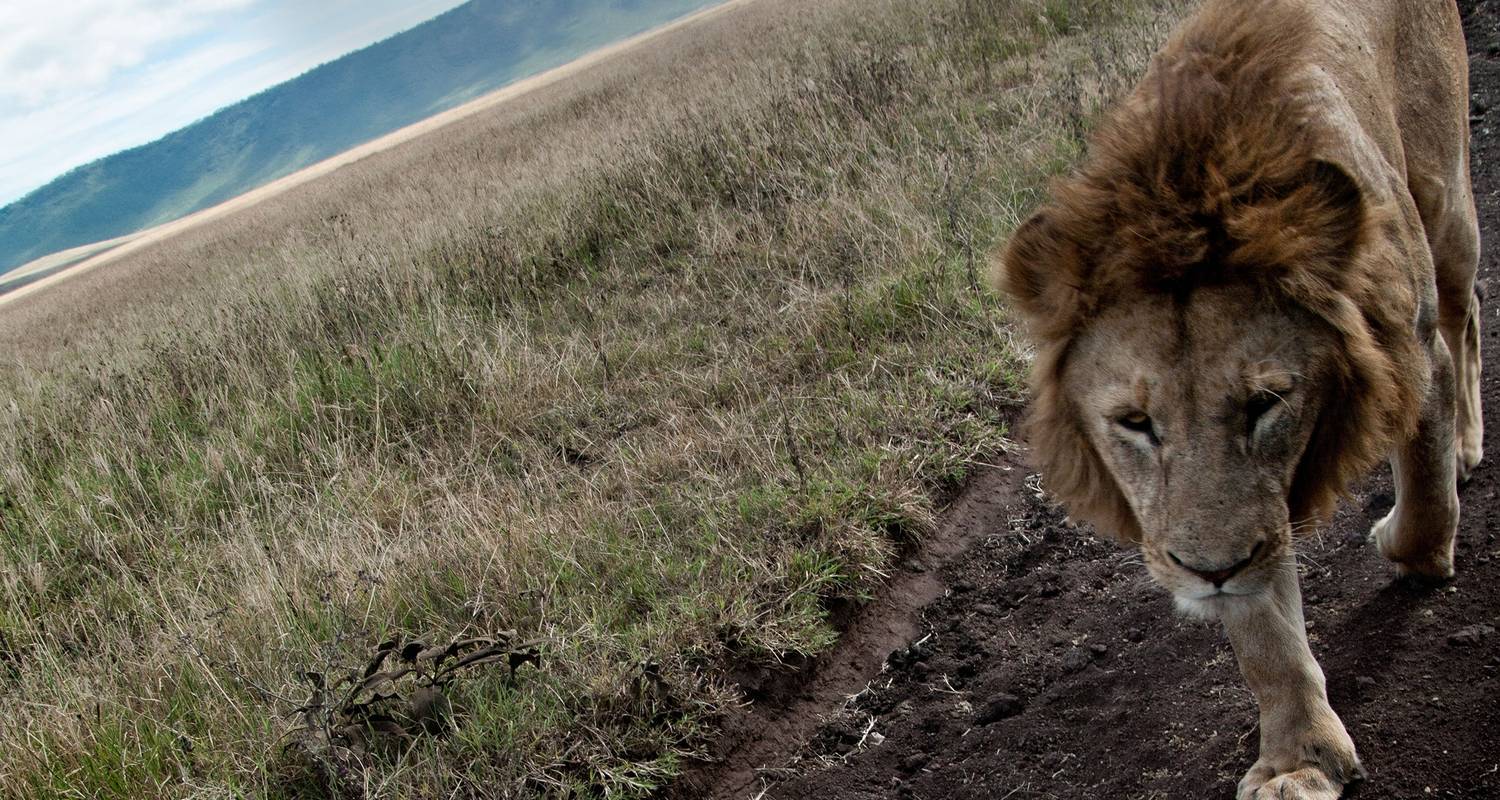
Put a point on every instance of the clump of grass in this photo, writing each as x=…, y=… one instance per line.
x=651, y=389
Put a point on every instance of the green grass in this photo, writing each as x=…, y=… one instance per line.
x=656, y=411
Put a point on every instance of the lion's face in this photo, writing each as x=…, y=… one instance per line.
x=1200, y=407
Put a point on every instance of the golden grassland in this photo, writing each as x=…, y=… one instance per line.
x=637, y=374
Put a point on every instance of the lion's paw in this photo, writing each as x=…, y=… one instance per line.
x=1469, y=455
x=1433, y=562
x=1314, y=765
x=1308, y=783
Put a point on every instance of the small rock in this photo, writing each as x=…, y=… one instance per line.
x=1135, y=634
x=1076, y=659
x=1470, y=636
x=1001, y=706
x=915, y=565
x=1099, y=649
x=987, y=609
x=913, y=762
x=1365, y=682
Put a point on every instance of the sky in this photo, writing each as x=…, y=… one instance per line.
x=81, y=79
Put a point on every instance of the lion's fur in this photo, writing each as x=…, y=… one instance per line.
x=1281, y=208
x=1217, y=170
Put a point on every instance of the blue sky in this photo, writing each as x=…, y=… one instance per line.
x=80, y=79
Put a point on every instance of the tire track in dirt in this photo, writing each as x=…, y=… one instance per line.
x=787, y=706
x=1035, y=661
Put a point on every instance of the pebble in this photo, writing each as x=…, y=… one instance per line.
x=1471, y=635
x=1001, y=706
x=1076, y=660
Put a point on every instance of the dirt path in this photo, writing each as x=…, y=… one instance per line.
x=1052, y=668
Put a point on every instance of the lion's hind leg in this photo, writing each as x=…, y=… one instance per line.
x=1451, y=223
x=1463, y=341
x=1455, y=256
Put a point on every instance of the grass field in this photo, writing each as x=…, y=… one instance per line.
x=633, y=378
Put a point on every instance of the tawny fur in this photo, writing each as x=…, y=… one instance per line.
x=1259, y=284
x=1213, y=172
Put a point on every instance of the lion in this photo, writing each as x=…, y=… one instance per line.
x=1259, y=283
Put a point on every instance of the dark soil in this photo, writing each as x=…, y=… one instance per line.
x=1019, y=658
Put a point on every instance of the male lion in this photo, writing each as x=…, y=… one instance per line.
x=1260, y=282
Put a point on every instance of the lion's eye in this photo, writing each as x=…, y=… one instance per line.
x=1260, y=404
x=1138, y=422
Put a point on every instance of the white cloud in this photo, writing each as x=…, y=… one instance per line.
x=81, y=79
x=38, y=143
x=51, y=48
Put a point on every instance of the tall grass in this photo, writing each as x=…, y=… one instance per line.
x=649, y=371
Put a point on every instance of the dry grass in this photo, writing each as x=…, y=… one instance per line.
x=649, y=368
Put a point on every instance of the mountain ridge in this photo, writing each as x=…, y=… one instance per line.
x=463, y=53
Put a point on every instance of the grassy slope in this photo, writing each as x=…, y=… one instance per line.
x=654, y=408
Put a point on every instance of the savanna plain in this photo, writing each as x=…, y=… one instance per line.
x=479, y=467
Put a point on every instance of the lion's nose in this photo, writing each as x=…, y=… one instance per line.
x=1219, y=576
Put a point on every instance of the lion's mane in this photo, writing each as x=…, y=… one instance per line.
x=1212, y=173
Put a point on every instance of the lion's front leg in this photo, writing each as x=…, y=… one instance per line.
x=1305, y=753
x=1420, y=531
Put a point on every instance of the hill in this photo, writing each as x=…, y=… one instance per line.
x=473, y=49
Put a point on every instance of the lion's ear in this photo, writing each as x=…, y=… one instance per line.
x=1038, y=271
x=1336, y=207
x=1020, y=271
x=1305, y=231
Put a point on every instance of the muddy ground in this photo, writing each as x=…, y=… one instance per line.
x=1018, y=659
